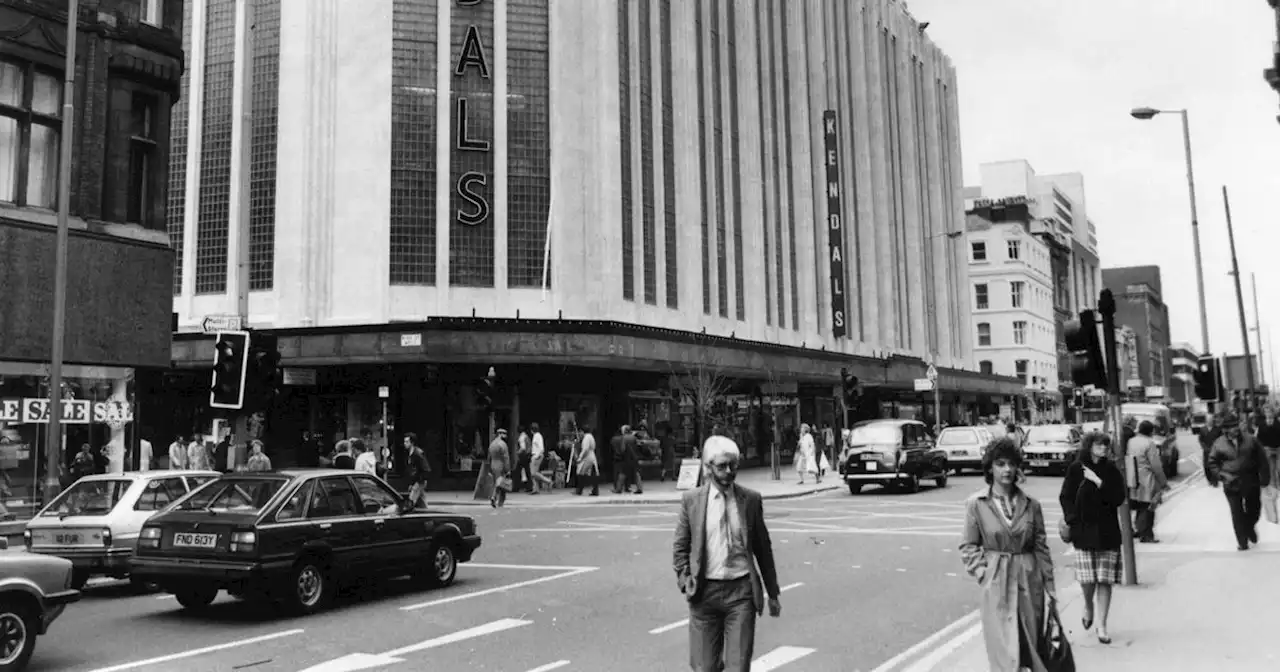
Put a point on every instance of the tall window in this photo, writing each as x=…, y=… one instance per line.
x=984, y=333
x=1020, y=332
x=142, y=155
x=981, y=299
x=151, y=11
x=1016, y=290
x=1020, y=368
x=30, y=102
x=979, y=249
x=1015, y=250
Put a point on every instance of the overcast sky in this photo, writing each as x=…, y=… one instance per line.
x=1053, y=82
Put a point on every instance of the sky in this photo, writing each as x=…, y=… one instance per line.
x=1052, y=82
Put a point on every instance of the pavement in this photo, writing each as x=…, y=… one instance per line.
x=1199, y=604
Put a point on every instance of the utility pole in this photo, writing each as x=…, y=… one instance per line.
x=1107, y=307
x=1235, y=272
x=1257, y=328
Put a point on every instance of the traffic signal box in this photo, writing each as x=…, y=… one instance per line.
x=849, y=389
x=1088, y=366
x=1208, y=378
x=485, y=391
x=264, y=376
x=230, y=359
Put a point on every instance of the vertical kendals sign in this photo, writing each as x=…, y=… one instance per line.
x=472, y=186
x=835, y=225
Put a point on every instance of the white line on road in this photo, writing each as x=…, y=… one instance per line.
x=550, y=666
x=779, y=657
x=940, y=654
x=549, y=568
x=927, y=642
x=789, y=586
x=499, y=589
x=470, y=633
x=684, y=621
x=199, y=652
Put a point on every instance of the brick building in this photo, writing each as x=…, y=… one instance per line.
x=1140, y=306
x=119, y=303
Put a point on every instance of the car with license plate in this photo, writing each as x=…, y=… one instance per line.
x=965, y=446
x=1165, y=435
x=95, y=522
x=293, y=536
x=1050, y=448
x=891, y=453
x=34, y=591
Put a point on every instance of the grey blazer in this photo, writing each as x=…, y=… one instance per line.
x=691, y=540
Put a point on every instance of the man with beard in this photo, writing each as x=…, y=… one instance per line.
x=1238, y=463
x=721, y=539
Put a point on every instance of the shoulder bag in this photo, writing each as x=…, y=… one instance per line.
x=1055, y=650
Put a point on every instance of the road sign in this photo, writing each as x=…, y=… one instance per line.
x=923, y=384
x=932, y=373
x=212, y=324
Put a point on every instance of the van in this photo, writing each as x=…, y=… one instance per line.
x=1165, y=435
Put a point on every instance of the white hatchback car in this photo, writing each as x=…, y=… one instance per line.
x=95, y=522
x=965, y=446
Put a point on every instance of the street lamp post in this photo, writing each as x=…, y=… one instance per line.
x=1146, y=113
x=53, y=438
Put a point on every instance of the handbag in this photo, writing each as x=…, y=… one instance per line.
x=1055, y=650
x=504, y=483
x=1269, y=509
x=1064, y=530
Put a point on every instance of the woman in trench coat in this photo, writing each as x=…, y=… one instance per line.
x=1004, y=546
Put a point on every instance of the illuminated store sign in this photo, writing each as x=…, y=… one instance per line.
x=472, y=208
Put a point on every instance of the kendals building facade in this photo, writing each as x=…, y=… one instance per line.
x=594, y=198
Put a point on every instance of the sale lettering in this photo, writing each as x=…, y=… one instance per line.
x=74, y=411
x=472, y=187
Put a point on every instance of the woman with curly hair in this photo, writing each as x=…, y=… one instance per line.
x=1004, y=546
x=1092, y=493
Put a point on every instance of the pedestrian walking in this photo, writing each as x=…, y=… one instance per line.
x=587, y=464
x=258, y=460
x=1091, y=495
x=1004, y=546
x=177, y=454
x=721, y=555
x=1208, y=436
x=538, y=449
x=806, y=459
x=500, y=469
x=419, y=470
x=1239, y=464
x=1150, y=483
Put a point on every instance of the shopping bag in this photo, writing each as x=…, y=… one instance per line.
x=504, y=483
x=1055, y=650
x=824, y=465
x=1269, y=495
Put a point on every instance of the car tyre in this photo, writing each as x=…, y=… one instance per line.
x=197, y=597
x=912, y=484
x=18, y=628
x=444, y=565
x=855, y=488
x=310, y=588
x=941, y=482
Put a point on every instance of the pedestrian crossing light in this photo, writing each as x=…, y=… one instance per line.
x=1208, y=380
x=486, y=389
x=1077, y=397
x=849, y=388
x=1085, y=351
x=230, y=359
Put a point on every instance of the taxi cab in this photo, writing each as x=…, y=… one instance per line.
x=891, y=453
x=95, y=522
x=292, y=536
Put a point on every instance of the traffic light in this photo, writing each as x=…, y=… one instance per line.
x=264, y=376
x=485, y=390
x=230, y=357
x=1208, y=379
x=1087, y=364
x=849, y=388
x=1077, y=397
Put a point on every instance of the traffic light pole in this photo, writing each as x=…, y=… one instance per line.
x=1244, y=326
x=1107, y=306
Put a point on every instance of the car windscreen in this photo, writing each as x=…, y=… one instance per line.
x=88, y=498
x=1159, y=422
x=241, y=495
x=997, y=431
x=867, y=434
x=958, y=437
x=1049, y=433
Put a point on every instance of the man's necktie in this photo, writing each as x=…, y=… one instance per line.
x=727, y=529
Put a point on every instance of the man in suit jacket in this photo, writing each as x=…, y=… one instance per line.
x=720, y=540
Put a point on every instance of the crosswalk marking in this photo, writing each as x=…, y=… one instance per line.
x=779, y=657
x=684, y=621
x=550, y=666
x=470, y=633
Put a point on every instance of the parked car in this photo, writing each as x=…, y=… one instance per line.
x=892, y=453
x=1198, y=421
x=34, y=591
x=1051, y=448
x=292, y=536
x=95, y=522
x=1165, y=436
x=1000, y=431
x=965, y=446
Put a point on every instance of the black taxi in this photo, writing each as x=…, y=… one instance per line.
x=292, y=536
x=892, y=452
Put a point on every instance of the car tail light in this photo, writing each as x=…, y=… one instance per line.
x=106, y=537
x=66, y=582
x=149, y=537
x=244, y=542
x=26, y=538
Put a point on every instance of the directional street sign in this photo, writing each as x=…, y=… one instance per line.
x=212, y=324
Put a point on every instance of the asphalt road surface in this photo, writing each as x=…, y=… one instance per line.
x=865, y=578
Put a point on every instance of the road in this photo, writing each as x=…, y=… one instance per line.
x=584, y=588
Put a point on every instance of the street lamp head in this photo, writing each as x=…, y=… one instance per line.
x=1144, y=113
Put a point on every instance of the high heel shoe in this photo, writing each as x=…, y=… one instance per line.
x=1103, y=637
x=1087, y=623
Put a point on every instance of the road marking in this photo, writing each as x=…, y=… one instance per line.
x=684, y=621
x=549, y=568
x=789, y=586
x=199, y=652
x=926, y=532
x=962, y=622
x=470, y=633
x=941, y=653
x=550, y=666
x=499, y=589
x=779, y=657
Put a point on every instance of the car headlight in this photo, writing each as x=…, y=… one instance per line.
x=26, y=538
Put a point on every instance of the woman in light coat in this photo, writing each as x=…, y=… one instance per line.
x=1005, y=547
x=588, y=469
x=1151, y=482
x=806, y=459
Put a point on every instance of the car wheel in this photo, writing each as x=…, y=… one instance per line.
x=855, y=488
x=912, y=484
x=79, y=577
x=444, y=565
x=309, y=589
x=197, y=597
x=941, y=482
x=18, y=628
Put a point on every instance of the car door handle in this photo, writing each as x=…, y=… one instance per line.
x=325, y=526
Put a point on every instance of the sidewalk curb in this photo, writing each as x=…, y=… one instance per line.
x=643, y=501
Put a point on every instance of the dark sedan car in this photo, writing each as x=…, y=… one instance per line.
x=291, y=536
x=892, y=453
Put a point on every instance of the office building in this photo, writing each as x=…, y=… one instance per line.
x=1140, y=306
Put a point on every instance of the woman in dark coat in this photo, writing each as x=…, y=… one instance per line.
x=1092, y=493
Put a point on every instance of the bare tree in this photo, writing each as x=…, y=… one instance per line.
x=775, y=458
x=704, y=385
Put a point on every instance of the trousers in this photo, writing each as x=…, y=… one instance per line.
x=1245, y=503
x=722, y=627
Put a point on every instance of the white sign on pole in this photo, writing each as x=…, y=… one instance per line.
x=923, y=384
x=212, y=324
x=932, y=373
